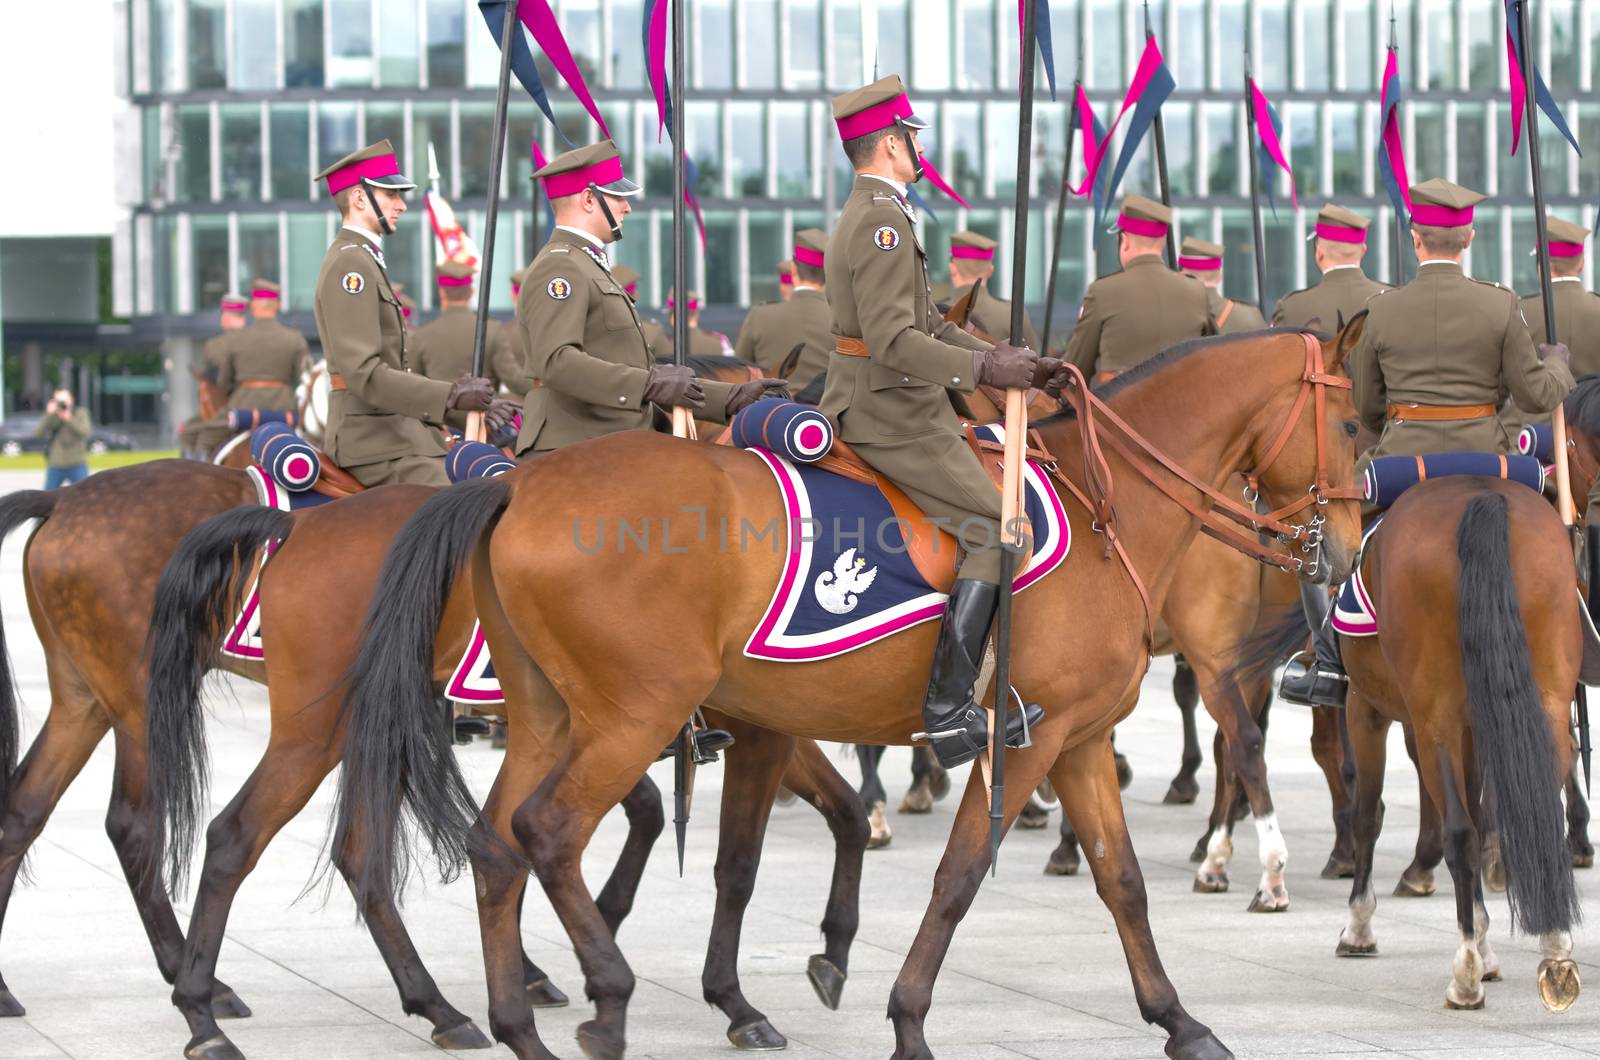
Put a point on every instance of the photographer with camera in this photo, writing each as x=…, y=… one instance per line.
x=68, y=429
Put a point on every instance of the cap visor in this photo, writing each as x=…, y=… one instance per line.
x=394, y=182
x=623, y=188
x=914, y=122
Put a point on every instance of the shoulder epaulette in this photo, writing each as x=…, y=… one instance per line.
x=1496, y=286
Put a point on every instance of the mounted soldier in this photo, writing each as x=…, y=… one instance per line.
x=442, y=348
x=262, y=364
x=890, y=379
x=972, y=262
x=1430, y=366
x=382, y=416
x=1203, y=261
x=584, y=338
x=771, y=331
x=1343, y=290
x=208, y=429
x=1136, y=313
x=702, y=343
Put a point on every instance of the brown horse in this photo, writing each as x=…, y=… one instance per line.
x=601, y=662
x=308, y=642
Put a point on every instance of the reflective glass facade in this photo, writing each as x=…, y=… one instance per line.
x=240, y=101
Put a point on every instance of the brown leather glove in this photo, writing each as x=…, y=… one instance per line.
x=1555, y=351
x=1050, y=375
x=1006, y=366
x=674, y=384
x=500, y=412
x=469, y=394
x=747, y=394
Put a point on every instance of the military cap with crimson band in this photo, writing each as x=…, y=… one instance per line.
x=877, y=106
x=264, y=290
x=455, y=275
x=1196, y=255
x=786, y=273
x=810, y=244
x=972, y=246
x=1440, y=204
x=375, y=165
x=234, y=303
x=598, y=164
x=1143, y=217
x=1338, y=225
x=694, y=301
x=627, y=278
x=1566, y=239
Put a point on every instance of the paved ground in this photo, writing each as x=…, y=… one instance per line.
x=1036, y=970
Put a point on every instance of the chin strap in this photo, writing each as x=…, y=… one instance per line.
x=911, y=149
x=605, y=208
x=372, y=200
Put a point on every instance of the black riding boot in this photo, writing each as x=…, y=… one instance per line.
x=953, y=722
x=1318, y=680
x=1592, y=547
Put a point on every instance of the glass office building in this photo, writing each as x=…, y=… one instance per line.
x=235, y=104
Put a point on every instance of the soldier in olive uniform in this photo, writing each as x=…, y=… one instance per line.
x=785, y=280
x=519, y=381
x=772, y=331
x=1134, y=314
x=263, y=363
x=1429, y=369
x=972, y=262
x=702, y=343
x=1343, y=290
x=207, y=429
x=1203, y=261
x=583, y=335
x=379, y=410
x=442, y=349
x=889, y=385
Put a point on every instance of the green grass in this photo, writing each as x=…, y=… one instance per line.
x=97, y=461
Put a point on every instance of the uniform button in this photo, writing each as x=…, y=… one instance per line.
x=623, y=400
x=956, y=379
x=905, y=379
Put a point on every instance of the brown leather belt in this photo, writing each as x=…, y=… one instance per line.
x=336, y=381
x=263, y=384
x=849, y=347
x=1438, y=413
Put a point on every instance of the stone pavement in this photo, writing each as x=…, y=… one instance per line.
x=1036, y=969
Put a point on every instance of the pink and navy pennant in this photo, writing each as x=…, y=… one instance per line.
x=691, y=177
x=1095, y=140
x=541, y=22
x=655, y=50
x=1152, y=84
x=1046, y=45
x=1391, y=151
x=1519, y=86
x=1270, y=128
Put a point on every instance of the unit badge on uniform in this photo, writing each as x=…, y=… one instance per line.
x=559, y=289
x=886, y=238
x=353, y=283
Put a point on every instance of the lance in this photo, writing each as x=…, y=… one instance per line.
x=1011, y=537
x=533, y=207
x=497, y=157
x=1161, y=159
x=1256, y=234
x=1061, y=212
x=682, y=775
x=1399, y=222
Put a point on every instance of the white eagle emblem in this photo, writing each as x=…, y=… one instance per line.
x=838, y=590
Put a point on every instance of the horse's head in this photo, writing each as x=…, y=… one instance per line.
x=1583, y=437
x=1303, y=457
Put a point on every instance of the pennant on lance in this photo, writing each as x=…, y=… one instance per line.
x=1095, y=142
x=1152, y=84
x=1046, y=45
x=655, y=50
x=1270, y=128
x=691, y=178
x=541, y=22
x=1391, y=150
x=1541, y=91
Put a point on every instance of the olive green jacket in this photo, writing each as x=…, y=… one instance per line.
x=442, y=349
x=1244, y=316
x=68, y=438
x=263, y=351
x=385, y=409
x=1340, y=294
x=772, y=331
x=1134, y=314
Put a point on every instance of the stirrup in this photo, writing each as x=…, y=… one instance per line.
x=1307, y=683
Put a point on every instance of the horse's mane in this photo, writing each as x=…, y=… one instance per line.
x=1166, y=358
x=704, y=366
x=1583, y=406
x=811, y=393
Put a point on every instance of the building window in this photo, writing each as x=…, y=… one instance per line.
x=713, y=56
x=208, y=237
x=399, y=43
x=1185, y=53
x=1272, y=64
x=626, y=42
x=1305, y=147
x=703, y=138
x=1362, y=59
x=1105, y=67
x=844, y=46
x=151, y=146
x=1349, y=161
x=1563, y=72
x=767, y=248
x=747, y=149
x=722, y=256
x=208, y=44
x=963, y=131
x=975, y=43
x=350, y=49
x=894, y=50
x=1222, y=143
x=241, y=151
x=1426, y=152
x=1524, y=266
x=477, y=139
x=1001, y=149
x=430, y=126
x=580, y=21
x=1231, y=27
x=1316, y=65
x=1071, y=276
x=387, y=121
x=792, y=137
x=803, y=63
x=1178, y=126
x=336, y=133
x=758, y=50
x=194, y=152
x=1485, y=250
x=291, y=150
x=302, y=43
x=1472, y=145
x=258, y=249
x=1439, y=23
x=255, y=35
x=1588, y=128
x=1486, y=48
x=166, y=61
x=308, y=245
x=164, y=238
x=447, y=57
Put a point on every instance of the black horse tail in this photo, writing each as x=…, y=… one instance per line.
x=1270, y=645
x=1515, y=748
x=399, y=756
x=15, y=509
x=187, y=626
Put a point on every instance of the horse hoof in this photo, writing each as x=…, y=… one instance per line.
x=1062, y=864
x=1583, y=859
x=1356, y=949
x=9, y=1005
x=1491, y=975
x=757, y=1037
x=879, y=821
x=1032, y=817
x=1124, y=773
x=1181, y=793
x=1338, y=868
x=225, y=1005
x=1211, y=884
x=1269, y=903
x=918, y=800
x=464, y=1035
x=217, y=1048
x=1205, y=1047
x=542, y=993
x=1463, y=1004
x=1418, y=888
x=1558, y=984
x=827, y=979
x=938, y=783
x=598, y=1043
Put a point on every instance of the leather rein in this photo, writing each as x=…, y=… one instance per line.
x=1237, y=525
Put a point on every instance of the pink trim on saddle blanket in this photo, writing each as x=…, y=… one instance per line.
x=244, y=639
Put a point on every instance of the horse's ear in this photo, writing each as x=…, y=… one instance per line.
x=1348, y=336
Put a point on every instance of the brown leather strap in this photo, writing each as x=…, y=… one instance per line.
x=849, y=347
x=1104, y=377
x=1227, y=311
x=336, y=381
x=263, y=384
x=1410, y=410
